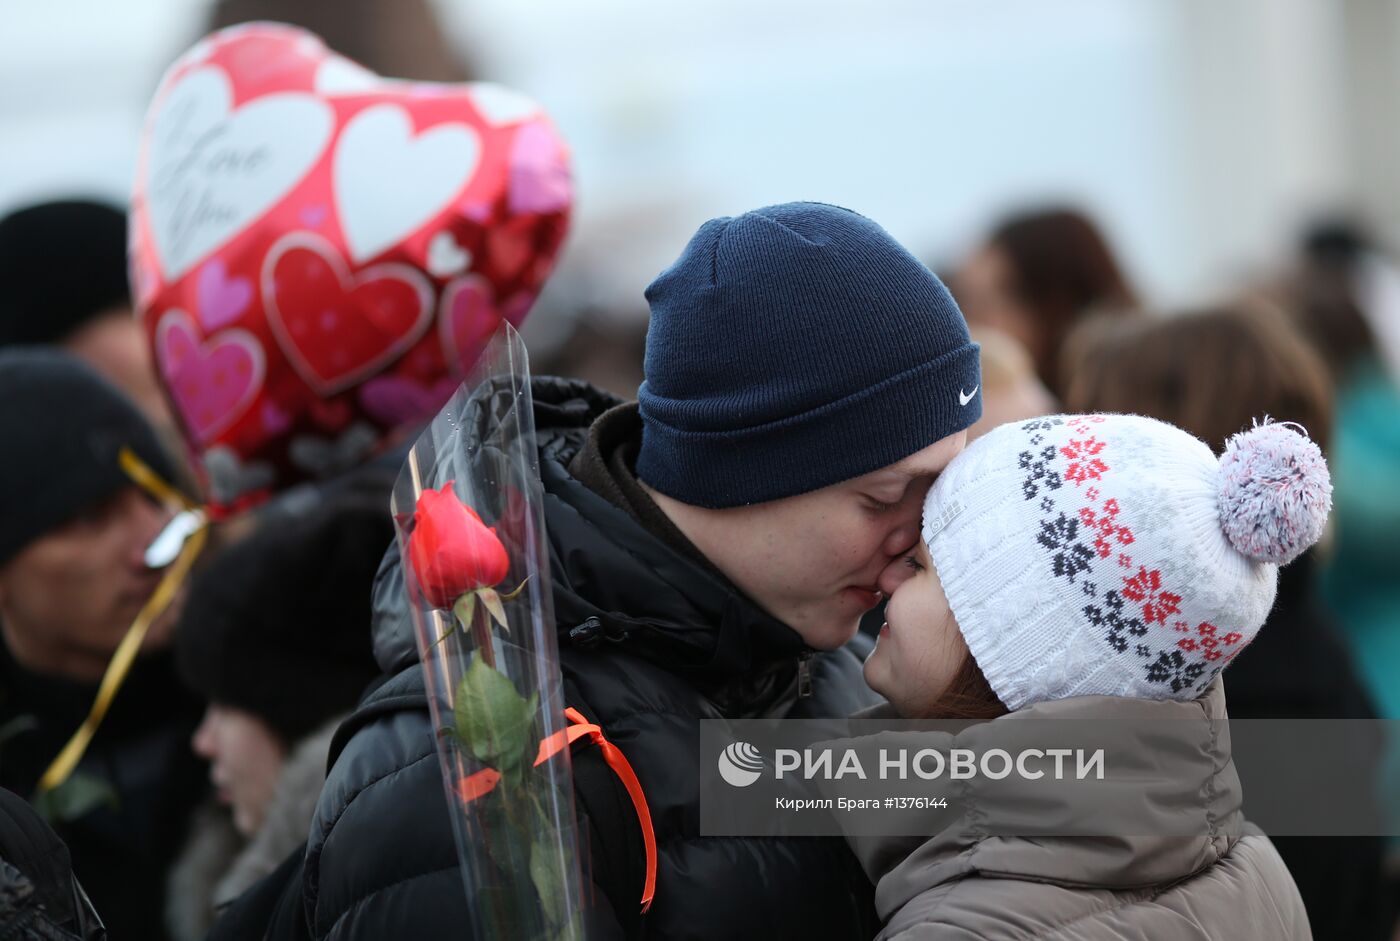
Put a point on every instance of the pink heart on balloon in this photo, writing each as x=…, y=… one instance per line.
x=212, y=381
x=539, y=170
x=398, y=400
x=467, y=320
x=308, y=219
x=221, y=298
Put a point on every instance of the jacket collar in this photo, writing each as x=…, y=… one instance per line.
x=1172, y=803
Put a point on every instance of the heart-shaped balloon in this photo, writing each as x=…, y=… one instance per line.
x=316, y=248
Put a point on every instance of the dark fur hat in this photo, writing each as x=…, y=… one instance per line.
x=279, y=624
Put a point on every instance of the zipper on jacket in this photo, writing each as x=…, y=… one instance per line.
x=804, y=674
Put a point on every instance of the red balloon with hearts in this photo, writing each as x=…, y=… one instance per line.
x=319, y=254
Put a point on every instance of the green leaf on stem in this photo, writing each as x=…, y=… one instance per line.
x=548, y=880
x=494, y=721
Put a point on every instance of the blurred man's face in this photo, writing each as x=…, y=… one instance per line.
x=67, y=598
x=813, y=561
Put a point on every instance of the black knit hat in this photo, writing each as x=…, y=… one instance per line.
x=794, y=347
x=62, y=427
x=61, y=263
x=279, y=624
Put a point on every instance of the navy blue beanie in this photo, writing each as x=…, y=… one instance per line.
x=794, y=347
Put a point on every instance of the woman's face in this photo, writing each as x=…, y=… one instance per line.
x=245, y=761
x=920, y=647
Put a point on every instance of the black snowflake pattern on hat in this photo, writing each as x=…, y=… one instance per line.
x=1092, y=545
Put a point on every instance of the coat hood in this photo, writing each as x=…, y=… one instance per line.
x=1173, y=805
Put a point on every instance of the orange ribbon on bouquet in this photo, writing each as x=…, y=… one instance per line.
x=484, y=782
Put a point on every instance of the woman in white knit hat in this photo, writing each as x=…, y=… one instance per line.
x=1093, y=567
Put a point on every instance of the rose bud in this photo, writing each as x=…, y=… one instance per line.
x=451, y=551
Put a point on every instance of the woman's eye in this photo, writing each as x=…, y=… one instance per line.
x=879, y=507
x=913, y=563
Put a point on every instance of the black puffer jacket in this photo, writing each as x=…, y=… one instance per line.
x=672, y=643
x=140, y=759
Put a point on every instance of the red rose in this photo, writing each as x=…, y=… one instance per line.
x=451, y=551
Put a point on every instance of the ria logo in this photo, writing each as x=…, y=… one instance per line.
x=740, y=764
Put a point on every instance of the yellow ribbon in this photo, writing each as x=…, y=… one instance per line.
x=120, y=664
x=148, y=480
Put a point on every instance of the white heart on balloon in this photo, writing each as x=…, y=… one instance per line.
x=446, y=257
x=213, y=169
x=390, y=181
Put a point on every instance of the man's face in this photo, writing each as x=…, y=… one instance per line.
x=68, y=597
x=813, y=561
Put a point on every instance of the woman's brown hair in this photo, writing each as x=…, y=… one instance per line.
x=968, y=697
x=1062, y=269
x=1211, y=372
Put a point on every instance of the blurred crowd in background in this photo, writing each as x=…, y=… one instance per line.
x=1185, y=210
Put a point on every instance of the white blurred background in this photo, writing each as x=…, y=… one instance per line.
x=1202, y=134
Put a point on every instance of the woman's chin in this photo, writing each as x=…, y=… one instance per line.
x=874, y=671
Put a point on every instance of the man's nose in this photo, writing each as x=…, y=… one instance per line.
x=901, y=539
x=143, y=521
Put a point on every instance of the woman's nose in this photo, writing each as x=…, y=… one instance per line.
x=203, y=739
x=894, y=575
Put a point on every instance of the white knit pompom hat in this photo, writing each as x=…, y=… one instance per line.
x=1114, y=554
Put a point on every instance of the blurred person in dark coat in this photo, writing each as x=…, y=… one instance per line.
x=74, y=529
x=276, y=636
x=1214, y=372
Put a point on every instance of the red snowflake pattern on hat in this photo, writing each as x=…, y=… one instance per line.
x=1146, y=588
x=1084, y=463
x=1079, y=539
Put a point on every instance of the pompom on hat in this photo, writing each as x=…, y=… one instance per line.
x=1115, y=554
x=1275, y=493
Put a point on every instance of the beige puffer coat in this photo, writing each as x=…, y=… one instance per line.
x=1225, y=884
